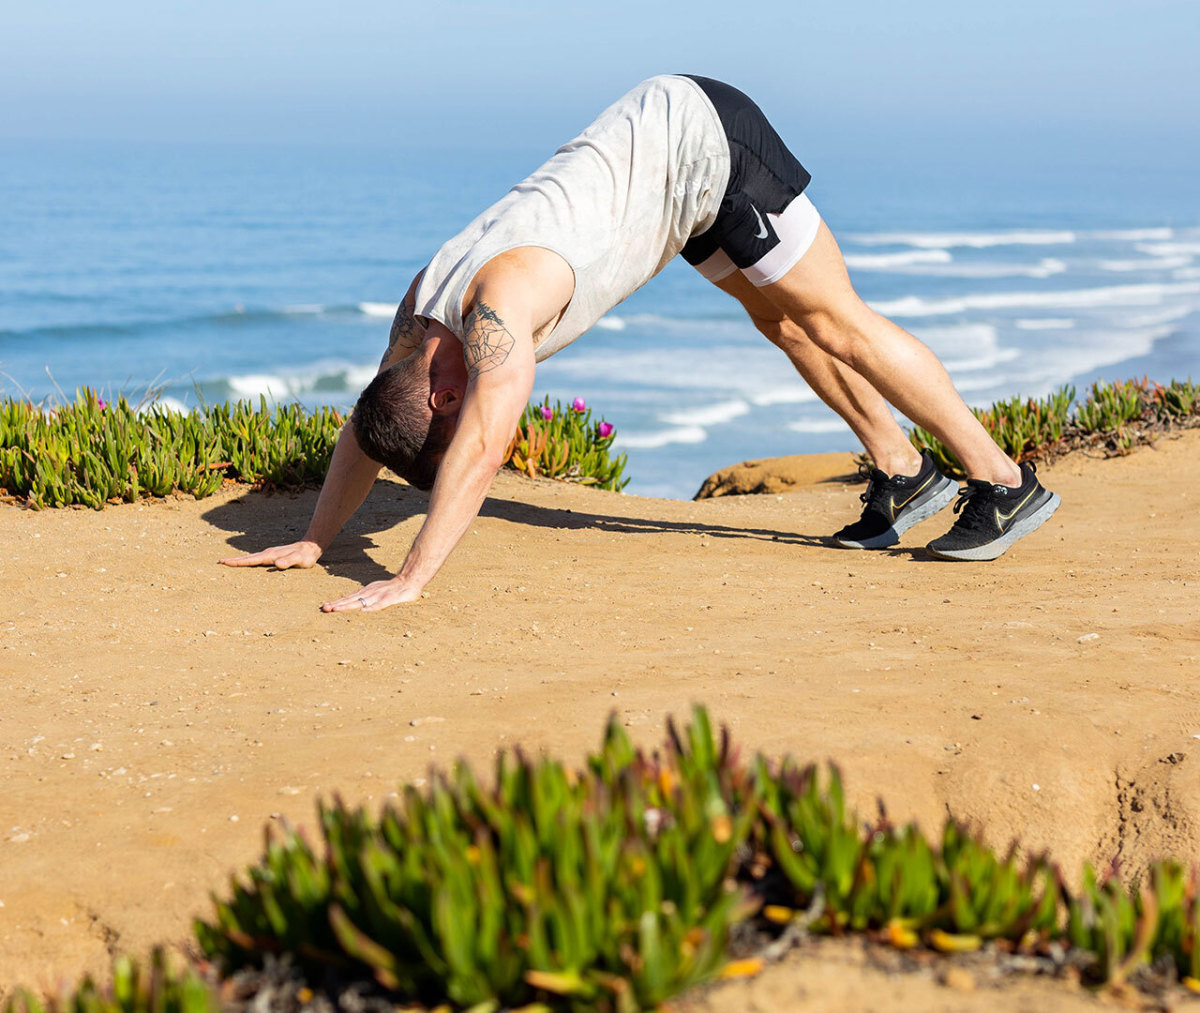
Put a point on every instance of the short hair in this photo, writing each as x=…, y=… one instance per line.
x=393, y=425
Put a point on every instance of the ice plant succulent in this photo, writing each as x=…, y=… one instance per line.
x=605, y=429
x=578, y=405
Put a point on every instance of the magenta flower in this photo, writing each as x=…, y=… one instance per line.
x=579, y=404
x=547, y=412
x=102, y=403
x=606, y=430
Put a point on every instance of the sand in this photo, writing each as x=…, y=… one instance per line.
x=160, y=709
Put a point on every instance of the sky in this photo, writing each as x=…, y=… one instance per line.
x=1111, y=76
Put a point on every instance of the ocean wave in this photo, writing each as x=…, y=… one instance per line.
x=236, y=316
x=1169, y=249
x=795, y=393
x=1115, y=295
x=1185, y=273
x=1131, y=235
x=887, y=261
x=387, y=310
x=649, y=441
x=974, y=240
x=328, y=376
x=1146, y=264
x=834, y=425
x=1045, y=268
x=707, y=415
x=1045, y=324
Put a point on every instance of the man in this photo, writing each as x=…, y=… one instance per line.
x=679, y=165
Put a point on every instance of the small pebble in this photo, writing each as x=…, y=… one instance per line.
x=418, y=722
x=233, y=818
x=1088, y=637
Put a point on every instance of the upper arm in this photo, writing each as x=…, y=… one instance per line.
x=498, y=353
x=407, y=332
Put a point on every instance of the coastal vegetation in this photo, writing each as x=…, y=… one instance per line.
x=91, y=452
x=616, y=886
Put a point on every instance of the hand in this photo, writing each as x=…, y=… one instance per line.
x=301, y=555
x=376, y=596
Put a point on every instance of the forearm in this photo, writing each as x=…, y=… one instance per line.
x=462, y=485
x=350, y=477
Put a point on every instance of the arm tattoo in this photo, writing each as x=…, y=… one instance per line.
x=406, y=332
x=487, y=342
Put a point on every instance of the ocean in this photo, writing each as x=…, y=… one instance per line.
x=201, y=273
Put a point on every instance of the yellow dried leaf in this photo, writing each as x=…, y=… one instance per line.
x=741, y=968
x=948, y=942
x=900, y=936
x=778, y=914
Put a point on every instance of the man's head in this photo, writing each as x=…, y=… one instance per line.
x=406, y=418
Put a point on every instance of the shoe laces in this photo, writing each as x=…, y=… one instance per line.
x=972, y=502
x=876, y=489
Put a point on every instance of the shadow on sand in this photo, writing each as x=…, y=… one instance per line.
x=256, y=520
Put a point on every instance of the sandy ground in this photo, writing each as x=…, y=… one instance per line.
x=160, y=709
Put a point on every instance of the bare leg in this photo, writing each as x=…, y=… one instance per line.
x=853, y=398
x=817, y=295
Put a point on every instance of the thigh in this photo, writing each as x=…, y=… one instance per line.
x=757, y=305
x=817, y=284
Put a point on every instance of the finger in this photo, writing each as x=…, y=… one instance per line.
x=256, y=559
x=347, y=603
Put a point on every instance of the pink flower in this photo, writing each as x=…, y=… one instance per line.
x=547, y=412
x=579, y=404
x=606, y=430
x=102, y=403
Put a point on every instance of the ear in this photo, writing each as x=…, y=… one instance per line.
x=446, y=400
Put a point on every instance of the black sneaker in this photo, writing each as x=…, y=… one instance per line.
x=895, y=503
x=995, y=516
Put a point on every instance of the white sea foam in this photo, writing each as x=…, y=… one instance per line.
x=378, y=309
x=1131, y=235
x=1145, y=264
x=171, y=404
x=1169, y=249
x=1185, y=273
x=707, y=415
x=975, y=240
x=886, y=261
x=796, y=393
x=303, y=310
x=648, y=441
x=834, y=425
x=989, y=360
x=1045, y=324
x=1116, y=295
x=1044, y=268
x=327, y=375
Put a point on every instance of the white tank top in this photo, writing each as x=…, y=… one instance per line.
x=616, y=203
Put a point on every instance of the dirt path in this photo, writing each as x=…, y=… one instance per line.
x=159, y=709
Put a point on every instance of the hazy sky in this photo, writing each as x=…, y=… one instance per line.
x=534, y=72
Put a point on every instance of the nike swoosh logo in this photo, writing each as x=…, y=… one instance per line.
x=1003, y=519
x=894, y=506
x=762, y=226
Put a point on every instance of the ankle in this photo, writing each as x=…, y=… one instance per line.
x=1011, y=477
x=900, y=464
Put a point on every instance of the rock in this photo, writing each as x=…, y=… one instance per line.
x=959, y=979
x=778, y=474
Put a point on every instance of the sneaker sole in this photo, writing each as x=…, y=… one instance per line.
x=935, y=504
x=991, y=550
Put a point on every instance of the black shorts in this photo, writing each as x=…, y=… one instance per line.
x=751, y=230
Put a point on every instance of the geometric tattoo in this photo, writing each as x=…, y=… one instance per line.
x=406, y=331
x=487, y=342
